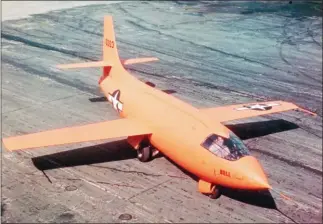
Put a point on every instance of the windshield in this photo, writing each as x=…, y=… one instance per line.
x=231, y=148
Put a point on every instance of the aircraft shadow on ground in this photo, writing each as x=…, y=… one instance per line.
x=98, y=99
x=121, y=150
x=261, y=128
x=106, y=152
x=262, y=199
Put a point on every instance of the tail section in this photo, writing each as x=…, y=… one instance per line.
x=110, y=53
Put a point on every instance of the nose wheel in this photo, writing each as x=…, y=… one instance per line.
x=209, y=189
x=215, y=193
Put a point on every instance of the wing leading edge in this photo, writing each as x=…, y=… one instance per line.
x=90, y=132
x=241, y=111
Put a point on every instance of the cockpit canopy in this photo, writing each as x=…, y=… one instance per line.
x=231, y=148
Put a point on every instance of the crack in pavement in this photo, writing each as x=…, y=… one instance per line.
x=114, y=184
x=31, y=43
x=119, y=185
x=100, y=182
x=93, y=183
x=83, y=87
x=289, y=162
x=46, y=102
x=138, y=172
x=128, y=171
x=147, y=189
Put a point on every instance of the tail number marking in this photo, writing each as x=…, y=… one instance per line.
x=109, y=43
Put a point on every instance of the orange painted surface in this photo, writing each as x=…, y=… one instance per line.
x=86, y=65
x=75, y=134
x=205, y=187
x=174, y=127
x=241, y=111
x=138, y=60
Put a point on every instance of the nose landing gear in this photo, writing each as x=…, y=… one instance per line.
x=209, y=189
x=215, y=193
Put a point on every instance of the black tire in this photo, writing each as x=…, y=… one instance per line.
x=144, y=154
x=215, y=194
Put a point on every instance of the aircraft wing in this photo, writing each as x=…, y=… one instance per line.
x=90, y=132
x=240, y=111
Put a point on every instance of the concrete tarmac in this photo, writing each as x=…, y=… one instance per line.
x=223, y=62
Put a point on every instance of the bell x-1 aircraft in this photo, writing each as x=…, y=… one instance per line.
x=194, y=138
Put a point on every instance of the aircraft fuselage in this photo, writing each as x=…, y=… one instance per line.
x=178, y=131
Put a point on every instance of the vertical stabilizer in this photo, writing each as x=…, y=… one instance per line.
x=111, y=62
x=110, y=51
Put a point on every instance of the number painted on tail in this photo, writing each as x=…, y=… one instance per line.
x=109, y=43
x=114, y=99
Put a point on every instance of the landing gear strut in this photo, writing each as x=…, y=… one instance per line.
x=209, y=189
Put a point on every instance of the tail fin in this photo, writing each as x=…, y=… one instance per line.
x=110, y=51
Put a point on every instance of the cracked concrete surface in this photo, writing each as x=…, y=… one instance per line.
x=242, y=53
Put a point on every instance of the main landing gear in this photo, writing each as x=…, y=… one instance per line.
x=209, y=189
x=146, y=152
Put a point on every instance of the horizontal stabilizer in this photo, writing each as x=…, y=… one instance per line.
x=84, y=133
x=97, y=64
x=137, y=60
x=85, y=65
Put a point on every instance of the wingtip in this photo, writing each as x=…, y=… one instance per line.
x=138, y=60
x=12, y=144
x=108, y=18
x=307, y=111
x=63, y=66
x=6, y=144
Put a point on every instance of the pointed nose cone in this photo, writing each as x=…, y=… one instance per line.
x=255, y=178
x=260, y=182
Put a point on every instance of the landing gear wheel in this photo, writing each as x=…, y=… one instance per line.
x=144, y=154
x=216, y=193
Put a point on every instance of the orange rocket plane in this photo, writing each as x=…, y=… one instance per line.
x=155, y=121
